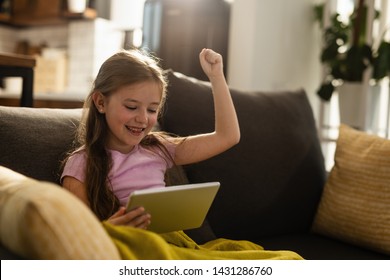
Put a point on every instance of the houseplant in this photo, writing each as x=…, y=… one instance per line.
x=347, y=56
x=382, y=61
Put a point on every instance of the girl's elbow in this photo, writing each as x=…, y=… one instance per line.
x=227, y=141
x=235, y=139
x=238, y=135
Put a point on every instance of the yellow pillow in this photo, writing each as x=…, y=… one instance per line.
x=355, y=204
x=40, y=220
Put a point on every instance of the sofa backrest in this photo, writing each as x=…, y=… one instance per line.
x=272, y=180
x=35, y=141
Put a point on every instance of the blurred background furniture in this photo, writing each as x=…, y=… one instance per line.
x=12, y=65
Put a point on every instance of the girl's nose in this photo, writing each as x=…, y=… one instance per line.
x=142, y=117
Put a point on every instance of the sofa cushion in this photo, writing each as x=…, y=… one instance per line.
x=35, y=140
x=40, y=220
x=272, y=180
x=355, y=206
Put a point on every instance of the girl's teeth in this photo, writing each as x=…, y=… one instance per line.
x=136, y=130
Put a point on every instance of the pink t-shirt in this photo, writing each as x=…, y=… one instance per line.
x=140, y=169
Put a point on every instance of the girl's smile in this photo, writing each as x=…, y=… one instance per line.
x=135, y=131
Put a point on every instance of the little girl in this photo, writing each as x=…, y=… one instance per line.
x=119, y=152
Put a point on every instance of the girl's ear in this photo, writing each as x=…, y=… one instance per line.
x=99, y=101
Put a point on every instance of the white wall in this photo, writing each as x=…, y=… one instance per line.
x=127, y=14
x=90, y=43
x=274, y=45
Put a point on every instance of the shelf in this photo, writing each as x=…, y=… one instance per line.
x=26, y=22
x=29, y=21
x=43, y=103
x=87, y=14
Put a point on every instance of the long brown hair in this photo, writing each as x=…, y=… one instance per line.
x=123, y=68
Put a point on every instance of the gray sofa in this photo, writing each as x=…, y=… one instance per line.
x=271, y=182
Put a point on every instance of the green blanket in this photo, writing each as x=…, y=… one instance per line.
x=138, y=244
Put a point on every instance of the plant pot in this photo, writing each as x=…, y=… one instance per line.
x=374, y=110
x=77, y=6
x=359, y=105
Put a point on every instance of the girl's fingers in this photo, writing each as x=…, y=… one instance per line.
x=121, y=211
x=142, y=221
x=211, y=56
x=135, y=218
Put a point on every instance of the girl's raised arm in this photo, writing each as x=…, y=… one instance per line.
x=227, y=131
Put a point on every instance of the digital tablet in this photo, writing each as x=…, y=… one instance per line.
x=176, y=207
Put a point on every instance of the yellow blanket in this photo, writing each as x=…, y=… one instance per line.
x=138, y=244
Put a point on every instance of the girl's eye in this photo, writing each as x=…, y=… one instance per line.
x=152, y=111
x=131, y=108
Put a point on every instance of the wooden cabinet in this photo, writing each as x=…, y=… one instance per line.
x=40, y=12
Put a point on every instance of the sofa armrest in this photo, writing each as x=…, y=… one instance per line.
x=37, y=140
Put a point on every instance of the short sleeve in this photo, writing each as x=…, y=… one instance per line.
x=75, y=166
x=170, y=145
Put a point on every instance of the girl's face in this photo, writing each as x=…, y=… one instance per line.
x=131, y=112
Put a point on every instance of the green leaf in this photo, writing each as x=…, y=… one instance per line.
x=357, y=60
x=381, y=63
x=319, y=13
x=326, y=91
